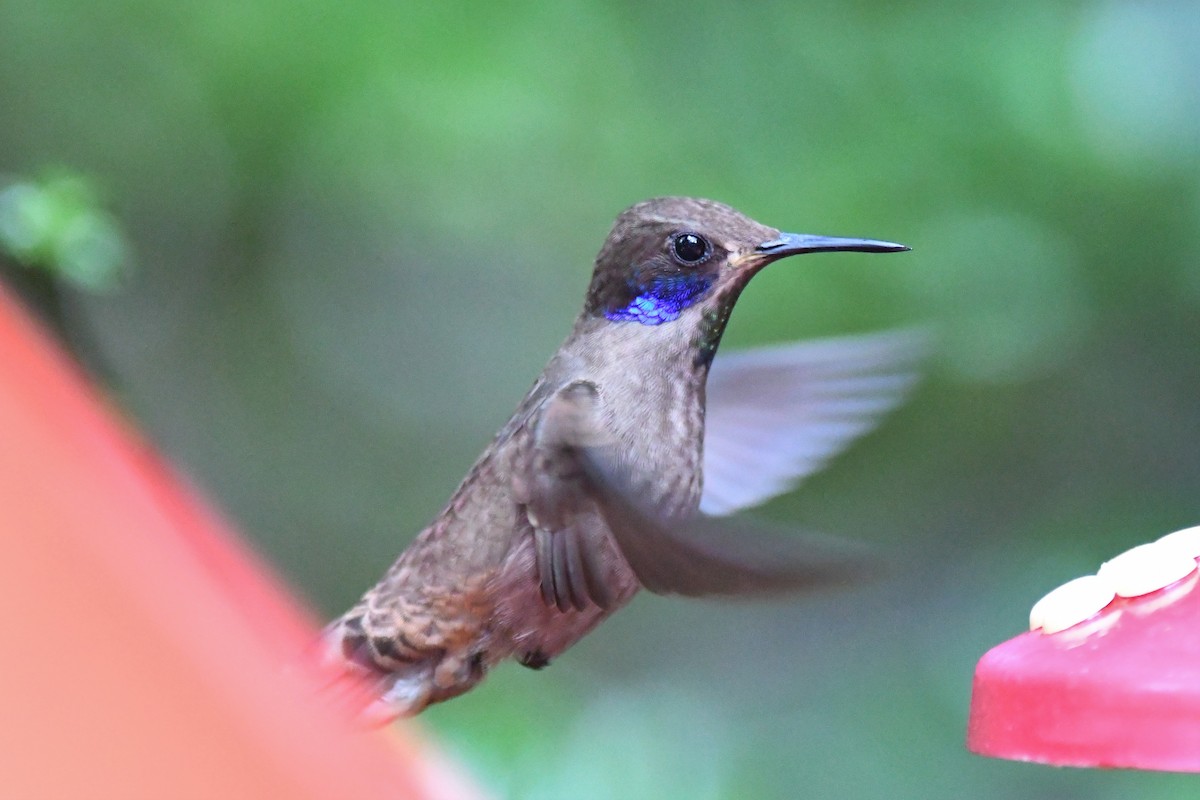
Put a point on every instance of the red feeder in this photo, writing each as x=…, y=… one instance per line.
x=147, y=652
x=1119, y=690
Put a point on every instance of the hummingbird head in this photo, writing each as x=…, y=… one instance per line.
x=673, y=258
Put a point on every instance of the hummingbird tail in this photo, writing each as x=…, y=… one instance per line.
x=401, y=677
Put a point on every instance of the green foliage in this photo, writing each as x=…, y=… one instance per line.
x=56, y=225
x=363, y=227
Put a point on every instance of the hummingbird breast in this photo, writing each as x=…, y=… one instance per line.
x=652, y=403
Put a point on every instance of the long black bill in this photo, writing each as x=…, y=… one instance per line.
x=790, y=244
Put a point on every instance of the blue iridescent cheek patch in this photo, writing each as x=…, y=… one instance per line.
x=662, y=300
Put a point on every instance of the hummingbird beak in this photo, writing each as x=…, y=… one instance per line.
x=791, y=244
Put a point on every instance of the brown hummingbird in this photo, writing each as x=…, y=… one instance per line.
x=616, y=469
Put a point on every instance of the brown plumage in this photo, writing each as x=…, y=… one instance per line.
x=592, y=489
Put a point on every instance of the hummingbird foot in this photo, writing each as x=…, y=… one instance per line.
x=534, y=659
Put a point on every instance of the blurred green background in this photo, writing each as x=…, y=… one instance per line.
x=342, y=238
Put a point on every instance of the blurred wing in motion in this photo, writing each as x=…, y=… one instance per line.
x=693, y=557
x=706, y=556
x=778, y=414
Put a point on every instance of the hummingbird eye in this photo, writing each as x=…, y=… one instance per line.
x=690, y=248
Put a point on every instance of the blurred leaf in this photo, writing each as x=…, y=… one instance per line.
x=56, y=224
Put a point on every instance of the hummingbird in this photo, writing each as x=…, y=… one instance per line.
x=619, y=468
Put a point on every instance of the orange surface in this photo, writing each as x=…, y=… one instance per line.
x=146, y=652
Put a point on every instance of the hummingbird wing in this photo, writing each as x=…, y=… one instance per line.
x=777, y=414
x=695, y=556
x=705, y=556
x=569, y=539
